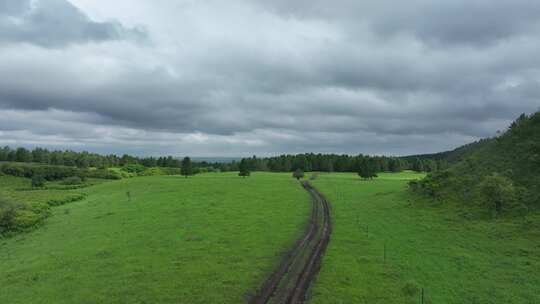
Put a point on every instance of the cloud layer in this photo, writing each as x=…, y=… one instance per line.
x=244, y=77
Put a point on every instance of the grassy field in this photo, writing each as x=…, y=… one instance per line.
x=19, y=189
x=212, y=238
x=455, y=260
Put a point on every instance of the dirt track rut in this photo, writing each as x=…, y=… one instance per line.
x=290, y=282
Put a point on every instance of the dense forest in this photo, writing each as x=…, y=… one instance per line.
x=85, y=160
x=341, y=163
x=447, y=158
x=81, y=159
x=283, y=163
x=501, y=175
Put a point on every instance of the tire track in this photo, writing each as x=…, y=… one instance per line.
x=290, y=282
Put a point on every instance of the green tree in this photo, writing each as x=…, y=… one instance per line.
x=497, y=193
x=417, y=165
x=22, y=155
x=243, y=168
x=298, y=174
x=187, y=168
x=394, y=165
x=367, y=168
x=38, y=181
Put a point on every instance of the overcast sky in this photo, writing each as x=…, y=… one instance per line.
x=240, y=77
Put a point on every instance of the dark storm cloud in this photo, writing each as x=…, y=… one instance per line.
x=55, y=23
x=266, y=77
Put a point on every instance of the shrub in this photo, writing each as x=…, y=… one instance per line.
x=8, y=210
x=47, y=172
x=103, y=174
x=72, y=180
x=68, y=199
x=244, y=173
x=160, y=171
x=16, y=216
x=171, y=171
x=38, y=181
x=298, y=174
x=134, y=168
x=24, y=219
x=410, y=289
x=497, y=193
x=414, y=185
x=14, y=170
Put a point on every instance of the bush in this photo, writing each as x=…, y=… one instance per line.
x=134, y=168
x=171, y=171
x=103, y=174
x=49, y=173
x=72, y=180
x=160, y=171
x=7, y=214
x=298, y=174
x=497, y=193
x=16, y=216
x=24, y=219
x=68, y=199
x=38, y=181
x=410, y=289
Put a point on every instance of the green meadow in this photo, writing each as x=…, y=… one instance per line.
x=428, y=246
x=214, y=238
x=211, y=238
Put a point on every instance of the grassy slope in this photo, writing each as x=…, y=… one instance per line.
x=454, y=259
x=208, y=239
x=19, y=189
x=515, y=155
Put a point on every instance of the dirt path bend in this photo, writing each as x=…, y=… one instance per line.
x=290, y=282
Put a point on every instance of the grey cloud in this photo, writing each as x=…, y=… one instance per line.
x=236, y=78
x=56, y=23
x=476, y=22
x=13, y=7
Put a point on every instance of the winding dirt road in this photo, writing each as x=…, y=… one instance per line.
x=290, y=282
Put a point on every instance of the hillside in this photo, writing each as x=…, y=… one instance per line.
x=452, y=156
x=503, y=172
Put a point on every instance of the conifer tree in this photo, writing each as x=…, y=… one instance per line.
x=187, y=168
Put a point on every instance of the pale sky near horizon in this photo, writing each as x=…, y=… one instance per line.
x=240, y=77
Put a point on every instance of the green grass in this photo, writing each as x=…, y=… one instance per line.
x=212, y=238
x=456, y=260
x=19, y=189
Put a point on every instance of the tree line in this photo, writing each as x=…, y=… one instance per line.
x=283, y=163
x=338, y=163
x=94, y=160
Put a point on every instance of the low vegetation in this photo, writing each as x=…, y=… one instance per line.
x=212, y=238
x=25, y=203
x=387, y=245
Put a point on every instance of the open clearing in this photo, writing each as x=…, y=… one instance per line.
x=212, y=238
x=455, y=260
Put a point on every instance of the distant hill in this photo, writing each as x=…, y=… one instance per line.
x=451, y=156
x=510, y=164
